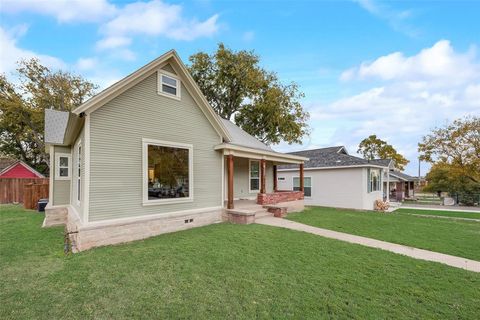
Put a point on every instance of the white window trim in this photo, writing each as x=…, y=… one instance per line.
x=370, y=181
x=145, y=143
x=57, y=166
x=160, y=83
x=250, y=176
x=78, y=164
x=311, y=185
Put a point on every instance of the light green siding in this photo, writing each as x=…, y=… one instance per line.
x=61, y=188
x=116, y=132
x=241, y=176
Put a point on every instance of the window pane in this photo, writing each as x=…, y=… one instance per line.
x=168, y=172
x=254, y=169
x=63, y=172
x=254, y=184
x=168, y=89
x=296, y=183
x=307, y=191
x=63, y=161
x=170, y=81
x=307, y=182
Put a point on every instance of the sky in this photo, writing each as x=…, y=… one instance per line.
x=396, y=69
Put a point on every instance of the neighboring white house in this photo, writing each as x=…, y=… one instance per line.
x=333, y=178
x=396, y=185
x=149, y=155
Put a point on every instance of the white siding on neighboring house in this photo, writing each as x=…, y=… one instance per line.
x=116, y=133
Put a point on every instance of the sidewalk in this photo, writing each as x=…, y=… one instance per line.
x=438, y=207
x=421, y=254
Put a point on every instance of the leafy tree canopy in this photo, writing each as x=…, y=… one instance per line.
x=22, y=108
x=457, y=144
x=239, y=89
x=374, y=148
x=454, y=151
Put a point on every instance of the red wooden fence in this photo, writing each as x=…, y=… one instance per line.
x=14, y=190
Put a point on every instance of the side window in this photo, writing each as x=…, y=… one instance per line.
x=307, y=185
x=168, y=85
x=62, y=166
x=254, y=175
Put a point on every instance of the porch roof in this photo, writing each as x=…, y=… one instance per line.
x=252, y=153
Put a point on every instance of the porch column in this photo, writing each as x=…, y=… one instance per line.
x=230, y=181
x=388, y=186
x=262, y=176
x=275, y=178
x=301, y=178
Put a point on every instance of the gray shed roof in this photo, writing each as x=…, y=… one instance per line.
x=402, y=176
x=328, y=157
x=241, y=138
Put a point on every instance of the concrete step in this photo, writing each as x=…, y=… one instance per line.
x=263, y=213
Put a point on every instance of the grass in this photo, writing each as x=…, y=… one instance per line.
x=456, y=237
x=442, y=213
x=222, y=271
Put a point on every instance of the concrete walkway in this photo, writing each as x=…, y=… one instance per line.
x=438, y=208
x=421, y=254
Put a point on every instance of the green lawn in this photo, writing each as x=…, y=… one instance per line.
x=222, y=271
x=458, y=214
x=456, y=237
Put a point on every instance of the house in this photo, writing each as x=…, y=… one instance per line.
x=334, y=178
x=149, y=155
x=11, y=168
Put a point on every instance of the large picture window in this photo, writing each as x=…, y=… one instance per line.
x=254, y=176
x=374, y=180
x=307, y=185
x=168, y=172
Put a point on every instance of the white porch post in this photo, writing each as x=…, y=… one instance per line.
x=388, y=185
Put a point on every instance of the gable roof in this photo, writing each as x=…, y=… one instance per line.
x=134, y=78
x=242, y=138
x=330, y=157
x=6, y=164
x=381, y=162
x=402, y=176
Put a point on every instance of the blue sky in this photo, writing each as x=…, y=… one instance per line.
x=393, y=68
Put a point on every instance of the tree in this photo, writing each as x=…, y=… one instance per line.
x=374, y=148
x=22, y=108
x=457, y=144
x=454, y=151
x=240, y=90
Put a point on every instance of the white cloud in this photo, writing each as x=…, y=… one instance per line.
x=440, y=63
x=113, y=42
x=10, y=53
x=154, y=18
x=412, y=95
x=63, y=10
x=84, y=64
x=398, y=20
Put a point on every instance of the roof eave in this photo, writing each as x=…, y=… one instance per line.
x=229, y=148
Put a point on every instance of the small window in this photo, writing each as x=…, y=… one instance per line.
x=307, y=185
x=254, y=175
x=62, y=166
x=168, y=85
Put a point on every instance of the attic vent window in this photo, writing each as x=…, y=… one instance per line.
x=168, y=85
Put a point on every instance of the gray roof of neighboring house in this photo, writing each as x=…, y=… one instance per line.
x=241, y=138
x=381, y=162
x=402, y=175
x=328, y=157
